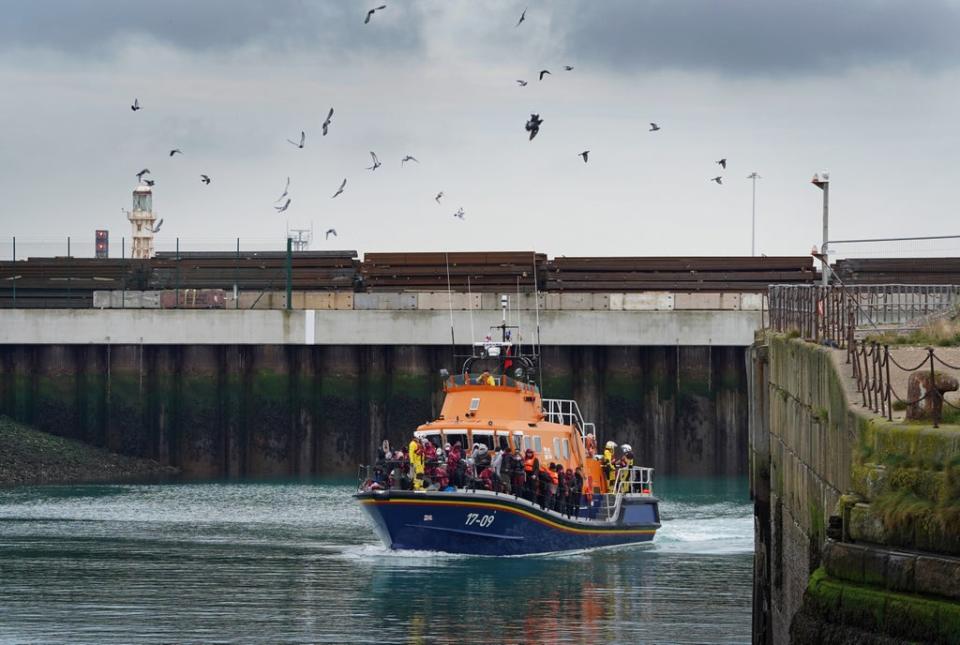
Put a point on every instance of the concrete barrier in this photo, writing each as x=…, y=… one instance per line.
x=697, y=301
x=434, y=300
x=648, y=301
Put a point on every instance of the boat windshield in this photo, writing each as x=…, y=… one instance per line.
x=474, y=379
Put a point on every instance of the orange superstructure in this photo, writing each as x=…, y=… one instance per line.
x=512, y=413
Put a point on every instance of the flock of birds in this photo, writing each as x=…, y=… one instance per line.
x=282, y=203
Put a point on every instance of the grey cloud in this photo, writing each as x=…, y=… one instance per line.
x=762, y=37
x=94, y=27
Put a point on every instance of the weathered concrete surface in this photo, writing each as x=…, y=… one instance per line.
x=286, y=410
x=814, y=455
x=370, y=327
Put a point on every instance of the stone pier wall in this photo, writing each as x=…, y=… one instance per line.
x=893, y=486
x=294, y=410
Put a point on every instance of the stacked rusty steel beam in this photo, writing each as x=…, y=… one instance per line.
x=66, y=282
x=481, y=272
x=677, y=273
x=310, y=270
x=898, y=270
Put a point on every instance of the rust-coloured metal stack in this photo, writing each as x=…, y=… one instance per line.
x=58, y=283
x=486, y=272
x=677, y=273
x=310, y=270
x=898, y=270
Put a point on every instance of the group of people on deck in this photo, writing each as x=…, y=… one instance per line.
x=425, y=466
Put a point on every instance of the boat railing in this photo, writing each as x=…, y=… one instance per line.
x=563, y=411
x=635, y=481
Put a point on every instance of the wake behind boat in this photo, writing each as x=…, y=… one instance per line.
x=503, y=471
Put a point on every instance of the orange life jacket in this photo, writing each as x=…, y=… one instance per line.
x=553, y=477
x=528, y=464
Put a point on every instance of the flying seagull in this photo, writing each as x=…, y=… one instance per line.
x=326, y=122
x=372, y=11
x=145, y=171
x=439, y=195
x=569, y=68
x=544, y=71
x=376, y=162
x=285, y=189
x=584, y=155
x=523, y=16
x=285, y=206
x=654, y=127
x=459, y=214
x=136, y=105
x=303, y=139
x=149, y=182
x=176, y=151
x=719, y=180
x=204, y=179
x=521, y=83
x=533, y=125
x=340, y=190
x=723, y=163
x=330, y=231
x=408, y=158
x=156, y=229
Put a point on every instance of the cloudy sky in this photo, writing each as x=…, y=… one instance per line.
x=866, y=89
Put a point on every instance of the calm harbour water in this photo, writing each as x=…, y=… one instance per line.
x=295, y=562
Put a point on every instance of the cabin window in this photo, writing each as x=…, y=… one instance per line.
x=434, y=438
x=528, y=443
x=537, y=446
x=483, y=438
x=556, y=447
x=503, y=441
x=518, y=442
x=475, y=404
x=453, y=436
x=566, y=449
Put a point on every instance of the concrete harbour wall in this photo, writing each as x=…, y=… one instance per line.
x=299, y=410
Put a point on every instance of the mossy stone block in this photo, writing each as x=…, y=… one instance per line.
x=938, y=576
x=862, y=607
x=844, y=561
x=900, y=571
x=910, y=618
x=874, y=567
x=948, y=622
x=866, y=526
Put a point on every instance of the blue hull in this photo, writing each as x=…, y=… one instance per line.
x=480, y=523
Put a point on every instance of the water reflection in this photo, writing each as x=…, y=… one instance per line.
x=298, y=563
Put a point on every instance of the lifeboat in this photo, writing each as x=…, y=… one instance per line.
x=476, y=498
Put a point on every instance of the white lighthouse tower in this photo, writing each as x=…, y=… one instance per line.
x=142, y=220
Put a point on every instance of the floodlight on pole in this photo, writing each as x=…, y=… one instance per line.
x=822, y=181
x=753, y=213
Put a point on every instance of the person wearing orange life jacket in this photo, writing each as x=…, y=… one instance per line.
x=531, y=471
x=550, y=478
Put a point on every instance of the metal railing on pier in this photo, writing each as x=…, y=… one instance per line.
x=845, y=317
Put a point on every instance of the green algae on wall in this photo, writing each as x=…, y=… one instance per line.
x=240, y=411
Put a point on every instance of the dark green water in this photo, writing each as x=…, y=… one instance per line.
x=299, y=563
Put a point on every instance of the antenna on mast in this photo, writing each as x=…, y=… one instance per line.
x=536, y=307
x=453, y=341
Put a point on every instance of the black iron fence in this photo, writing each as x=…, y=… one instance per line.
x=844, y=317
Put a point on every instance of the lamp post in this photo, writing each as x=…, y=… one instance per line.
x=753, y=213
x=822, y=181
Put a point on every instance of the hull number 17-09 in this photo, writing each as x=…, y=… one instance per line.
x=475, y=519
